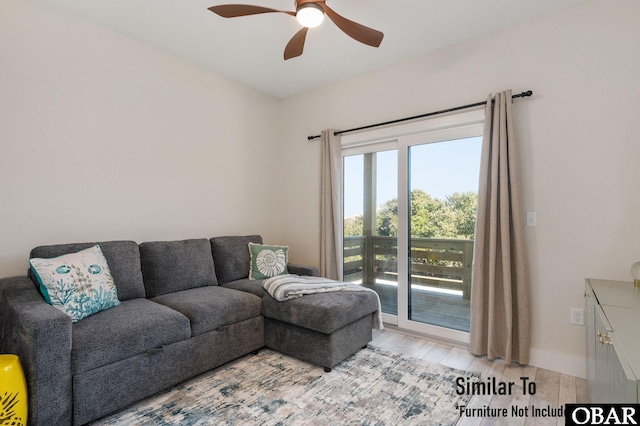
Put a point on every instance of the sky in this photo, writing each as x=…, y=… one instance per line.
x=440, y=169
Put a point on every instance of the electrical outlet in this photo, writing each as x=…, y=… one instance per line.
x=577, y=316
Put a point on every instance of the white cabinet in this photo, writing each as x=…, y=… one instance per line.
x=612, y=315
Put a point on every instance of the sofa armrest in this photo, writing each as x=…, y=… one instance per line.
x=294, y=268
x=41, y=337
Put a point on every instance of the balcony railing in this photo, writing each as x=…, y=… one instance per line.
x=435, y=262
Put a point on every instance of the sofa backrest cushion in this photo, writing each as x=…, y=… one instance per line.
x=232, y=257
x=170, y=266
x=123, y=258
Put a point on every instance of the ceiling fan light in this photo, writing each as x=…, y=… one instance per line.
x=310, y=15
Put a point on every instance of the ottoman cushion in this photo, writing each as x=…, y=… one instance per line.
x=324, y=312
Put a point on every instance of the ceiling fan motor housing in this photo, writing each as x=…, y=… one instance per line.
x=298, y=3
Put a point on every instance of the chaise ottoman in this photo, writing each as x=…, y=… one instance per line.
x=322, y=328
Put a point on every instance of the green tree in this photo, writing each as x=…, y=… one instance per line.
x=464, y=206
x=430, y=217
x=353, y=226
x=387, y=219
x=453, y=217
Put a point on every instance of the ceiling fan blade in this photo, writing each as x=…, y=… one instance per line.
x=296, y=44
x=354, y=30
x=235, y=10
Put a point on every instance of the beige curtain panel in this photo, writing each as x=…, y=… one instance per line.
x=331, y=206
x=500, y=310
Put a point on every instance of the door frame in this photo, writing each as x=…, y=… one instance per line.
x=401, y=138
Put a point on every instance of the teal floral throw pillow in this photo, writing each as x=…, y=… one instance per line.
x=79, y=284
x=267, y=261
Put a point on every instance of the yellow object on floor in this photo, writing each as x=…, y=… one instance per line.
x=13, y=392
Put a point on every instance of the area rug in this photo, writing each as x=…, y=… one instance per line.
x=372, y=387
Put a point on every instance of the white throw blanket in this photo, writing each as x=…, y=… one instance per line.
x=290, y=286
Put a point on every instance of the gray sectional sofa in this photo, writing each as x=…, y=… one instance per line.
x=185, y=307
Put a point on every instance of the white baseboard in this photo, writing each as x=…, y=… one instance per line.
x=561, y=363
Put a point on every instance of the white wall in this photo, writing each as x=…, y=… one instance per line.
x=579, y=147
x=103, y=137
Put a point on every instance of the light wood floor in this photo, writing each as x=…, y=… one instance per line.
x=553, y=389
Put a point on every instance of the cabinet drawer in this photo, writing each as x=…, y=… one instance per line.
x=624, y=323
x=614, y=381
x=613, y=349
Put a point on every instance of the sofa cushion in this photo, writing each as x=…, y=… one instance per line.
x=325, y=312
x=170, y=266
x=79, y=284
x=123, y=258
x=209, y=308
x=134, y=327
x=247, y=285
x=232, y=258
x=267, y=261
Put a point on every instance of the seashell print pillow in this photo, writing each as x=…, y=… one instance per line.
x=79, y=284
x=267, y=261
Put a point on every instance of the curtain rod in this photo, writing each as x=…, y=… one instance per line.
x=386, y=123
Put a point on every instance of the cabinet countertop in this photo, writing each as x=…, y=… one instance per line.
x=616, y=293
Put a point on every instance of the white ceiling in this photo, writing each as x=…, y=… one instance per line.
x=249, y=49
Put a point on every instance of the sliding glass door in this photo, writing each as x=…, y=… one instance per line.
x=370, y=224
x=443, y=190
x=409, y=222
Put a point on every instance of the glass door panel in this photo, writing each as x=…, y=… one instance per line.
x=443, y=187
x=371, y=224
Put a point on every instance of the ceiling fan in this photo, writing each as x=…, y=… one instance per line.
x=310, y=14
